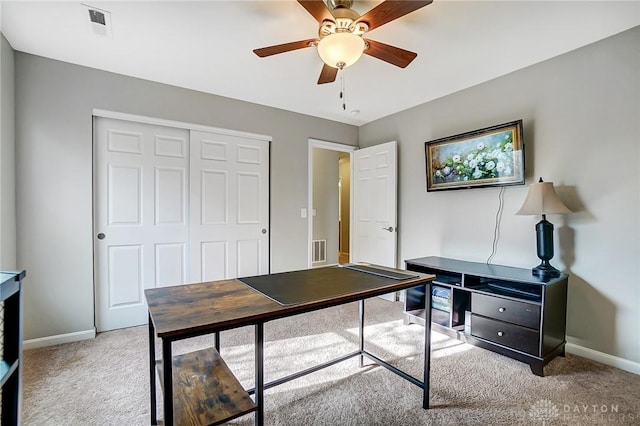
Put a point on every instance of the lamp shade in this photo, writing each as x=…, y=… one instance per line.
x=542, y=199
x=339, y=50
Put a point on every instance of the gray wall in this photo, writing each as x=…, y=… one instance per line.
x=581, y=116
x=581, y=113
x=54, y=102
x=7, y=158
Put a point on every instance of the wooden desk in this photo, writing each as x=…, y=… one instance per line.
x=191, y=310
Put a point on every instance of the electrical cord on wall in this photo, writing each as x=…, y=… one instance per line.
x=496, y=230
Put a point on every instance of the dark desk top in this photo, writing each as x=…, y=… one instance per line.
x=294, y=288
x=200, y=308
x=485, y=270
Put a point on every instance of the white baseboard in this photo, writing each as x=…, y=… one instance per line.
x=324, y=265
x=614, y=361
x=59, y=339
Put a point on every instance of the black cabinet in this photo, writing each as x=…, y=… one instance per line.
x=11, y=346
x=504, y=309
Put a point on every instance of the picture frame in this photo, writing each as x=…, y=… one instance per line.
x=492, y=156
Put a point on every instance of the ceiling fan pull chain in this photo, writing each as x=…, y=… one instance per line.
x=342, y=95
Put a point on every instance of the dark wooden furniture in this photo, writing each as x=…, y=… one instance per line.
x=11, y=355
x=504, y=309
x=185, y=311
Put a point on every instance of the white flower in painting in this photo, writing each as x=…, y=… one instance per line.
x=438, y=173
x=507, y=171
x=473, y=164
x=480, y=156
x=508, y=147
x=470, y=157
x=500, y=167
x=490, y=165
x=477, y=173
x=456, y=158
x=446, y=170
x=466, y=163
x=481, y=146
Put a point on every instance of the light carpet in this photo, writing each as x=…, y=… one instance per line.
x=105, y=381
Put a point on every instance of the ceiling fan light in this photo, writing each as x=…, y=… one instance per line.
x=341, y=48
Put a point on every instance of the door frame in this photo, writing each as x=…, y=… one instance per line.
x=331, y=146
x=96, y=112
x=101, y=113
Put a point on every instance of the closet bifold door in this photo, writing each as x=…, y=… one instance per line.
x=229, y=206
x=141, y=227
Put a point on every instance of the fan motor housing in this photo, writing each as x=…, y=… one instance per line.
x=345, y=20
x=334, y=4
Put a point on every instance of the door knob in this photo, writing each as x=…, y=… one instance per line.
x=101, y=236
x=390, y=229
x=264, y=231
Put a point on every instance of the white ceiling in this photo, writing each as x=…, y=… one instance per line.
x=207, y=46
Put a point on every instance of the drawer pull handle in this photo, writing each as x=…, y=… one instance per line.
x=500, y=333
x=502, y=309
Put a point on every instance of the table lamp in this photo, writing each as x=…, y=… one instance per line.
x=543, y=200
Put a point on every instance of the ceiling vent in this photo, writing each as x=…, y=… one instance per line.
x=99, y=21
x=96, y=16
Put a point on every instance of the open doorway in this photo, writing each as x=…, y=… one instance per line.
x=344, y=207
x=329, y=203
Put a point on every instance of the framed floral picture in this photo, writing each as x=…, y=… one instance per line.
x=493, y=156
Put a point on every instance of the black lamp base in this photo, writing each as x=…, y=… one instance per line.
x=544, y=242
x=544, y=269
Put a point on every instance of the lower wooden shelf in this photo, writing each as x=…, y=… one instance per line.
x=205, y=391
x=417, y=316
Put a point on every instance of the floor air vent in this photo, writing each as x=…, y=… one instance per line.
x=319, y=251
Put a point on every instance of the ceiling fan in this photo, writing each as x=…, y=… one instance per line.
x=340, y=39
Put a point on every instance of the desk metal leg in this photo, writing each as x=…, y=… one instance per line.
x=361, y=330
x=168, y=382
x=427, y=347
x=152, y=371
x=259, y=389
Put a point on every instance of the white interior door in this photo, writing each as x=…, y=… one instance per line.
x=229, y=206
x=141, y=216
x=374, y=225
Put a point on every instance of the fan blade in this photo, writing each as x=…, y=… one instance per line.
x=388, y=10
x=394, y=55
x=317, y=9
x=286, y=47
x=328, y=74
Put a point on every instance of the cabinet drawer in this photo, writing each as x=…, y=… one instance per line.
x=521, y=313
x=511, y=335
